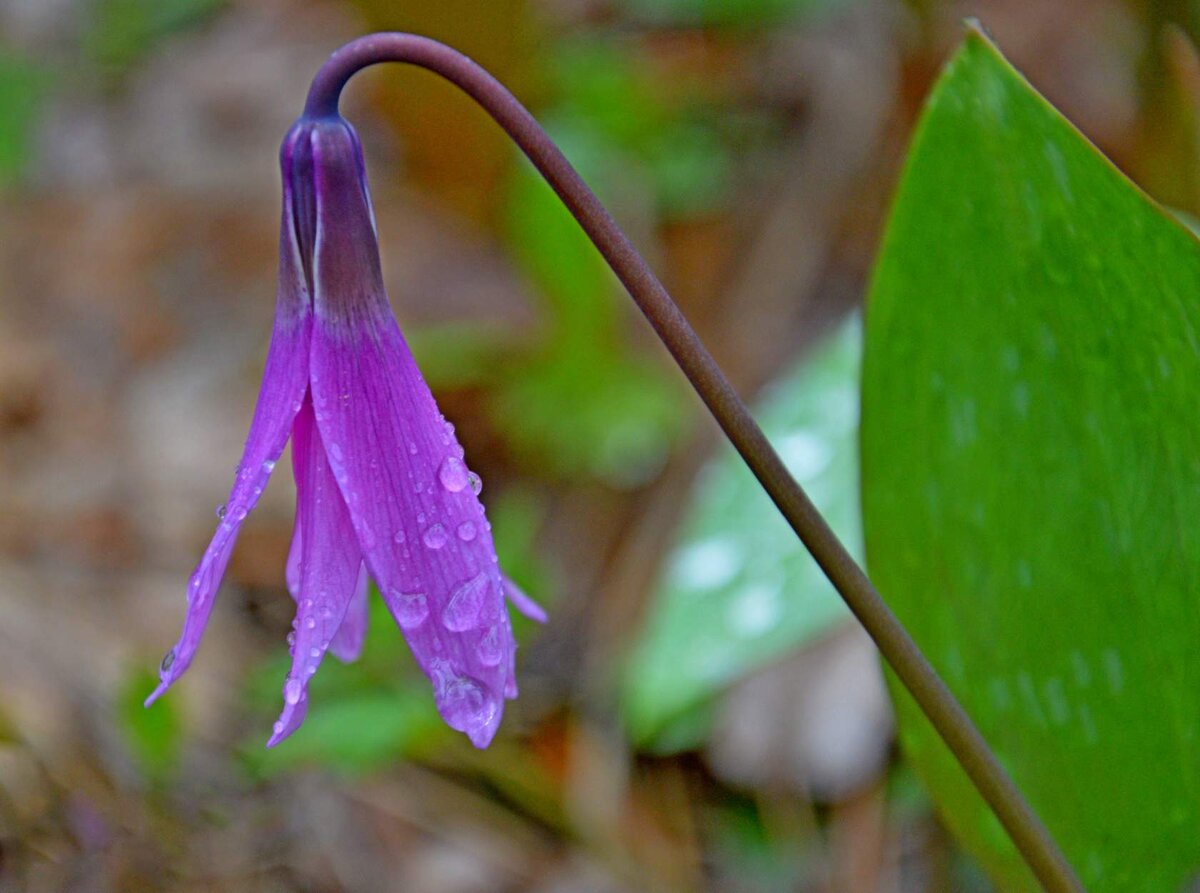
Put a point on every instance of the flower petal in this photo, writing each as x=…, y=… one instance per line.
x=347, y=644
x=329, y=564
x=522, y=602
x=419, y=522
x=285, y=379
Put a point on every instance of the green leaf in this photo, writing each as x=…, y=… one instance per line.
x=1031, y=468
x=740, y=590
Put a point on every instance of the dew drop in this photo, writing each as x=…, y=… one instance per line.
x=466, y=531
x=453, y=474
x=268, y=466
x=466, y=705
x=278, y=727
x=310, y=623
x=421, y=518
x=490, y=648
x=399, y=537
x=435, y=537
x=291, y=690
x=462, y=611
x=168, y=661
x=476, y=482
x=412, y=447
x=221, y=512
x=291, y=640
x=411, y=608
x=239, y=513
x=314, y=652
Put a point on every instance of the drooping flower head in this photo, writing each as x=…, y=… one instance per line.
x=382, y=490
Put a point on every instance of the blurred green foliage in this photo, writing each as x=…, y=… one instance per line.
x=121, y=32
x=1029, y=476
x=584, y=401
x=727, y=13
x=154, y=737
x=739, y=589
x=23, y=84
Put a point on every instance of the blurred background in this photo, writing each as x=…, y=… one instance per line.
x=699, y=713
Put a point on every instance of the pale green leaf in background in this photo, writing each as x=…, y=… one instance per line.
x=739, y=589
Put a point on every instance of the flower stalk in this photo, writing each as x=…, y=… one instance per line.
x=914, y=670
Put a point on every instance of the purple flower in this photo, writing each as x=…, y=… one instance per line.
x=381, y=487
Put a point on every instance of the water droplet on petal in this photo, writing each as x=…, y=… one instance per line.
x=291, y=640
x=310, y=623
x=268, y=466
x=466, y=705
x=314, y=652
x=221, y=512
x=412, y=447
x=421, y=518
x=411, y=608
x=453, y=474
x=462, y=611
x=239, y=513
x=399, y=537
x=278, y=727
x=491, y=647
x=168, y=661
x=435, y=537
x=476, y=482
x=291, y=690
x=466, y=531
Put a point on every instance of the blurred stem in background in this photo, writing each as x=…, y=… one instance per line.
x=901, y=652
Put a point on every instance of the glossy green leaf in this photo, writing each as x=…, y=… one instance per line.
x=740, y=590
x=1031, y=474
